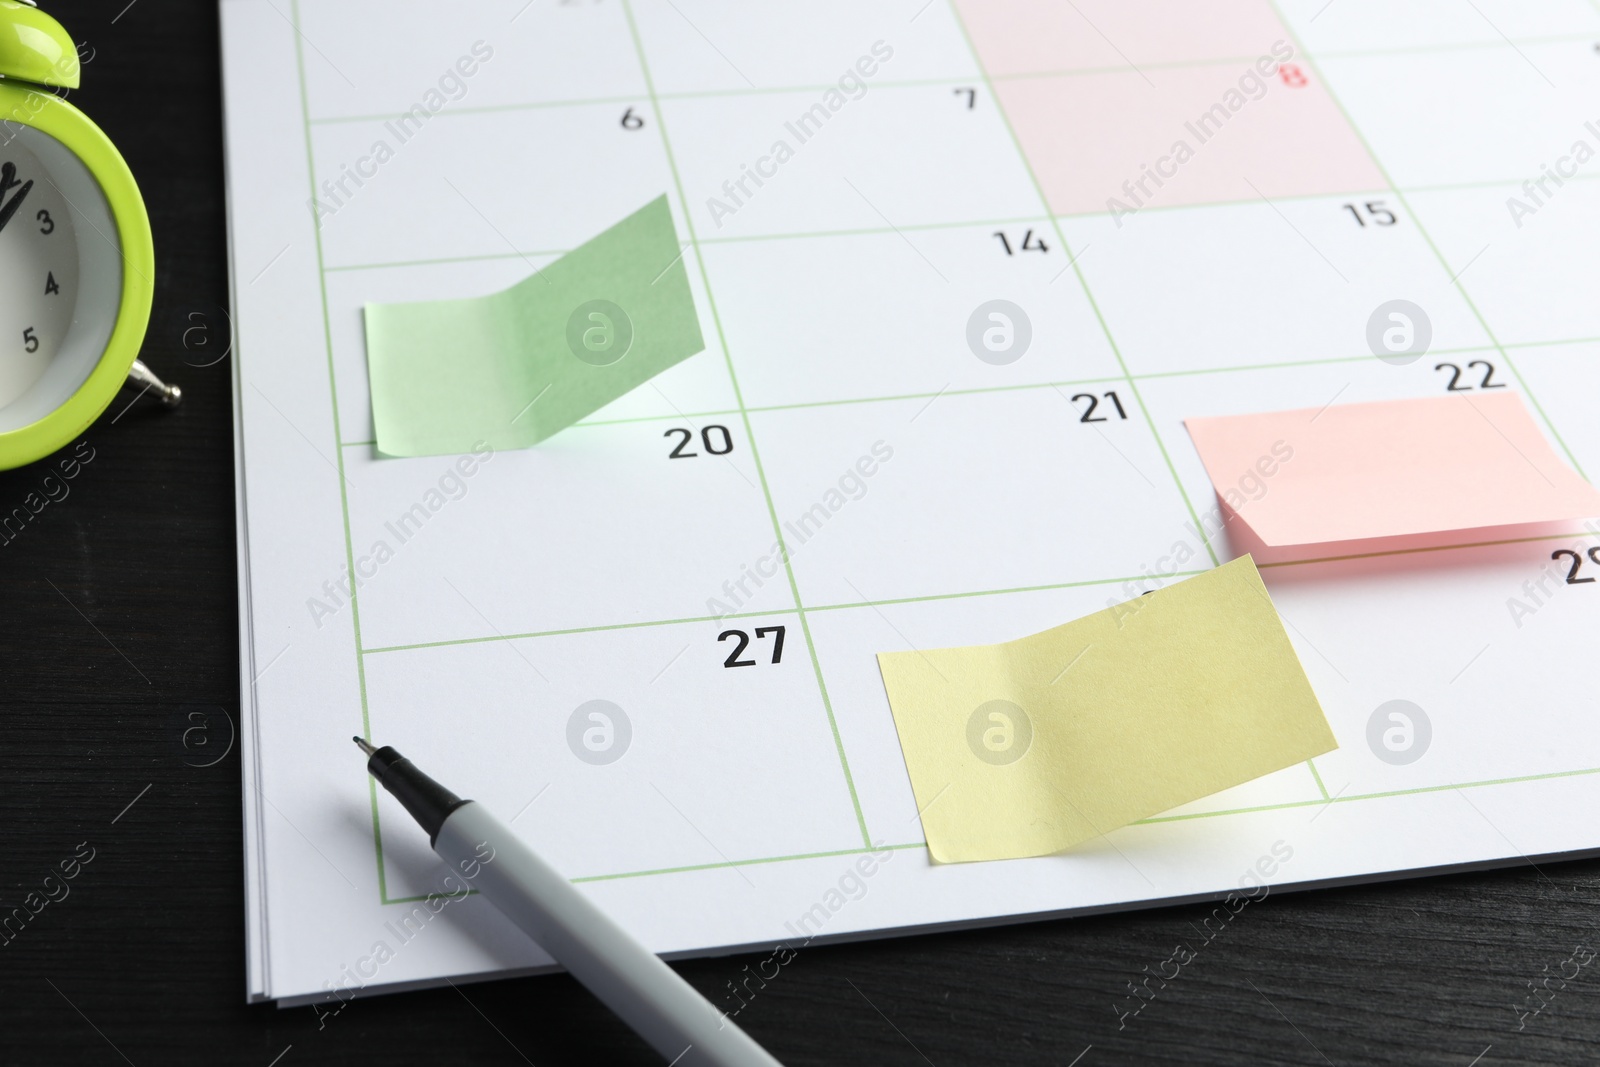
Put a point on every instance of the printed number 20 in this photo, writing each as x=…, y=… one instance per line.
x=716, y=438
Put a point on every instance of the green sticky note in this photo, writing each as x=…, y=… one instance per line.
x=514, y=367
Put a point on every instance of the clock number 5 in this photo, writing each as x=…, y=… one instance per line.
x=30, y=340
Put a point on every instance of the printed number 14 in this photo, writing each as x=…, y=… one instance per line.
x=1030, y=243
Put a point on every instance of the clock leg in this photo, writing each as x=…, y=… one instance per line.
x=145, y=379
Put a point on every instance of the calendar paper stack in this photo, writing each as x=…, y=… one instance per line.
x=962, y=269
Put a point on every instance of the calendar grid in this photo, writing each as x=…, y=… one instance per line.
x=1083, y=283
x=744, y=415
x=1128, y=377
x=1455, y=276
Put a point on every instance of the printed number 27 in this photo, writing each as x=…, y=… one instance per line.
x=743, y=639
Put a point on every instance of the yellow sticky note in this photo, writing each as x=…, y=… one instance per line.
x=1032, y=746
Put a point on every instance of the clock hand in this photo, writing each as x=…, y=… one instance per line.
x=8, y=180
x=16, y=201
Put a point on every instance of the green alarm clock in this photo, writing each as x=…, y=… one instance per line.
x=76, y=259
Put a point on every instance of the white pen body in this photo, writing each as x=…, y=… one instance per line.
x=627, y=977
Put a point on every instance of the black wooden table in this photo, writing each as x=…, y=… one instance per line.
x=119, y=685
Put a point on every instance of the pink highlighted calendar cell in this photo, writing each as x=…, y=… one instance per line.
x=1122, y=141
x=1035, y=36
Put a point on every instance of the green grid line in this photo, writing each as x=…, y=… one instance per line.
x=333, y=390
x=948, y=80
x=1083, y=282
x=641, y=625
x=1386, y=794
x=756, y=409
x=1312, y=763
x=744, y=415
x=693, y=619
x=965, y=594
x=1455, y=276
x=751, y=863
x=1287, y=805
x=552, y=253
x=1459, y=46
x=918, y=227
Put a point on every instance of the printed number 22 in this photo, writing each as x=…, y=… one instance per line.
x=743, y=638
x=1455, y=385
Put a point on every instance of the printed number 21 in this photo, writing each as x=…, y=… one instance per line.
x=743, y=639
x=1094, y=402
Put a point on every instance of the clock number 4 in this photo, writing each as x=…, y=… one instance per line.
x=743, y=642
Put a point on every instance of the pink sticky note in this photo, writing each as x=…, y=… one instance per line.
x=1388, y=469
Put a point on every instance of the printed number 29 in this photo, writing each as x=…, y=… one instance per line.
x=1577, y=561
x=743, y=640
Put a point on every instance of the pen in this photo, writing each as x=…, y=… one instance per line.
x=627, y=977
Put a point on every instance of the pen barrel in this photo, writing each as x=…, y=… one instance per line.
x=627, y=977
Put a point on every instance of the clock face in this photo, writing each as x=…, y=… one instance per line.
x=39, y=287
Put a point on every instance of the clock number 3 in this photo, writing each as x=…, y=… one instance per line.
x=47, y=225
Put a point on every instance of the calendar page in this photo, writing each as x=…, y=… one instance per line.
x=962, y=268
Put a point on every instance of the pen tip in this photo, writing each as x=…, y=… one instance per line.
x=363, y=746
